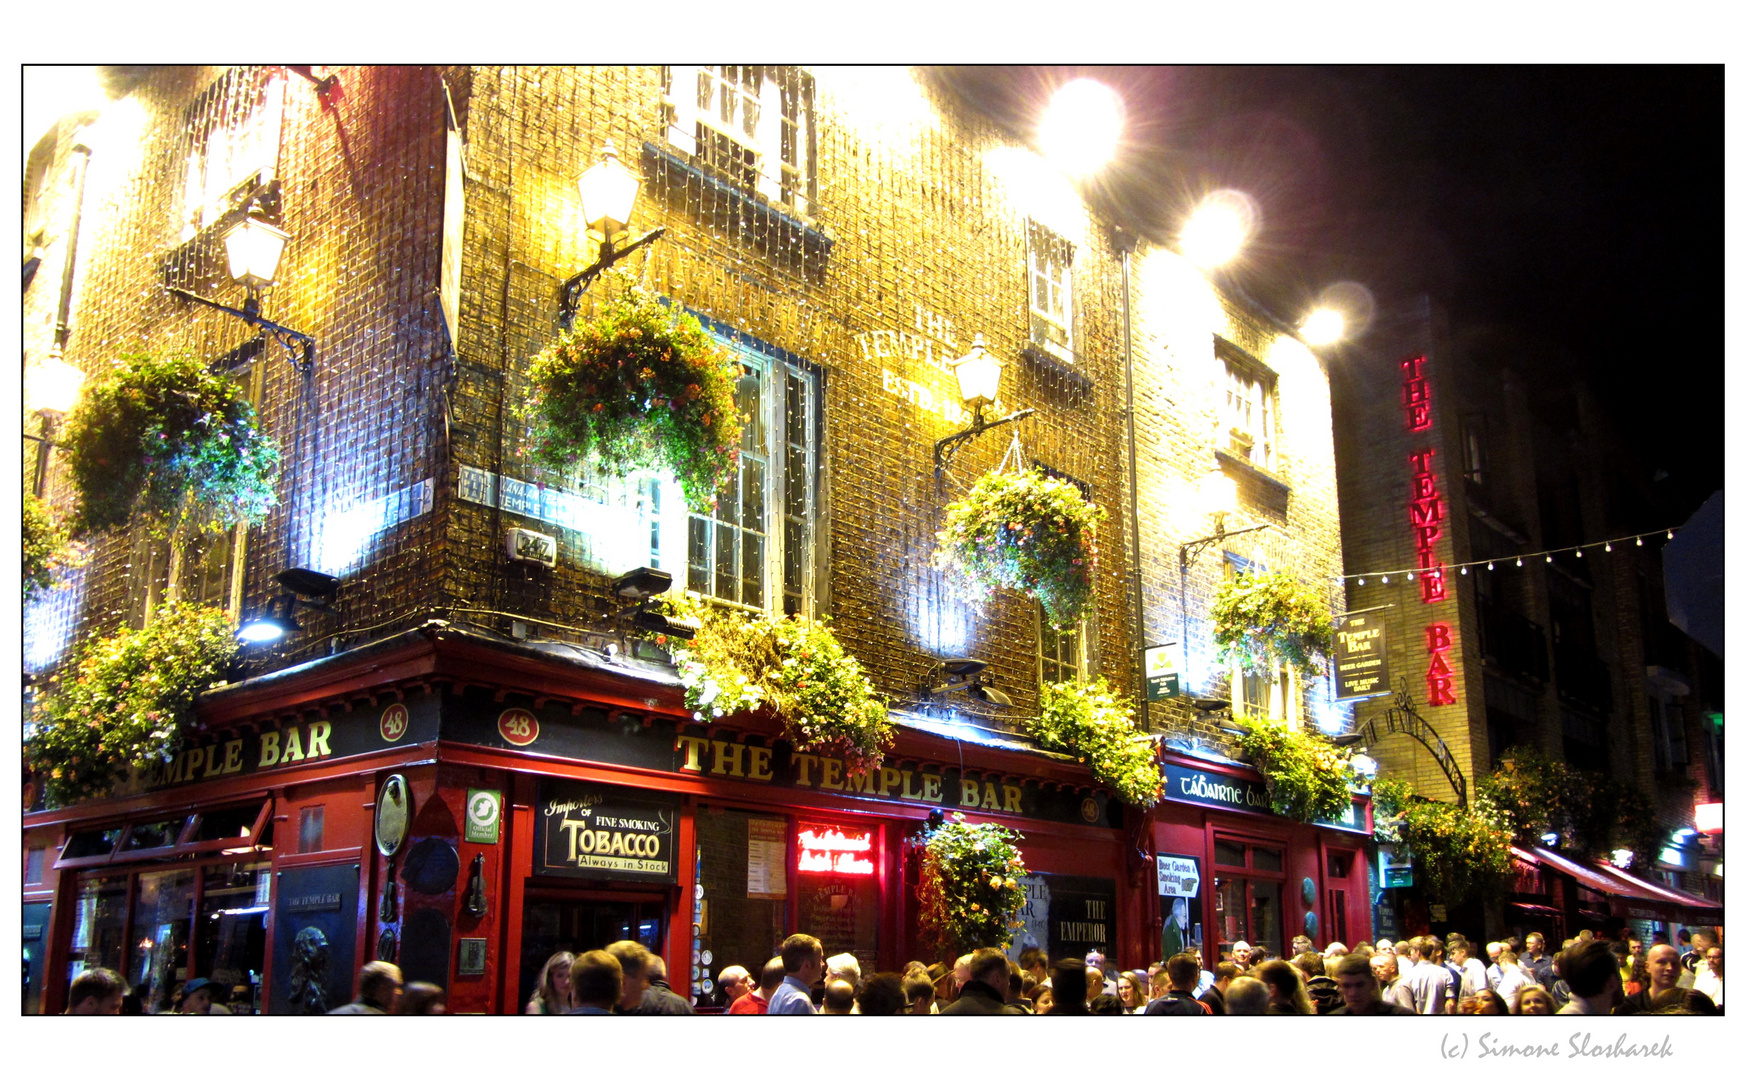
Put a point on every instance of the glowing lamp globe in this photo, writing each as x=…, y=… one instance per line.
x=1218, y=493
x=1324, y=326
x=1218, y=228
x=1080, y=130
x=52, y=385
x=609, y=190
x=978, y=375
x=253, y=248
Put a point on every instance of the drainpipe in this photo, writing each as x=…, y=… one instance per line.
x=63, y=313
x=1124, y=244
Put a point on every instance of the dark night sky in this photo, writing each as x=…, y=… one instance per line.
x=1568, y=216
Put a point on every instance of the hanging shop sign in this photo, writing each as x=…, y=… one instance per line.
x=666, y=745
x=1163, y=671
x=1178, y=875
x=1179, y=883
x=830, y=849
x=1360, y=657
x=597, y=831
x=1396, y=864
x=393, y=815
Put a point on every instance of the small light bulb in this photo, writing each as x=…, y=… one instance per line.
x=1491, y=566
x=1518, y=562
x=1548, y=557
x=1385, y=579
x=1360, y=581
x=1579, y=553
x=1409, y=575
x=1670, y=534
x=1639, y=541
x=1609, y=545
x=1464, y=571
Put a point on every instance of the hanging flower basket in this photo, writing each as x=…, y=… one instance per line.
x=1263, y=620
x=1308, y=778
x=46, y=547
x=1458, y=852
x=638, y=386
x=797, y=668
x=1026, y=531
x=969, y=894
x=125, y=700
x=1096, y=725
x=170, y=443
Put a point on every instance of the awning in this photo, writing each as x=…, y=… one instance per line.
x=1537, y=909
x=1697, y=908
x=1629, y=897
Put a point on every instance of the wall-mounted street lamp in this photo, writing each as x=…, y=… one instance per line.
x=277, y=618
x=252, y=249
x=609, y=193
x=963, y=674
x=978, y=375
x=51, y=389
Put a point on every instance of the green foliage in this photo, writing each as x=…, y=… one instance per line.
x=1457, y=853
x=1591, y=812
x=46, y=546
x=1264, y=620
x=170, y=443
x=1026, y=531
x=969, y=894
x=1096, y=725
x=1308, y=778
x=639, y=386
x=797, y=668
x=125, y=700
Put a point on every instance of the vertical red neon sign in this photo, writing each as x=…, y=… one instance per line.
x=1425, y=516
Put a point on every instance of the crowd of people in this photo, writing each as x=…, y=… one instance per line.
x=1424, y=975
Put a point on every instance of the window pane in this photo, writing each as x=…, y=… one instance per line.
x=154, y=835
x=99, y=921
x=1264, y=915
x=231, y=945
x=725, y=570
x=1267, y=858
x=163, y=915
x=753, y=476
x=1226, y=853
x=752, y=575
x=83, y=845
x=697, y=558
x=225, y=824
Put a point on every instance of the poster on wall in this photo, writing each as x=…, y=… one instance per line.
x=598, y=831
x=1179, y=897
x=315, y=930
x=767, y=859
x=1035, y=916
x=1081, y=916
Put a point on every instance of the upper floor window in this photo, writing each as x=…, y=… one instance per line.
x=1246, y=416
x=756, y=547
x=1473, y=447
x=1060, y=653
x=1050, y=273
x=752, y=124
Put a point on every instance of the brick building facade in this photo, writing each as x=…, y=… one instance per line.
x=845, y=233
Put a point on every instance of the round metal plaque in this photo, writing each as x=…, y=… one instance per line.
x=1309, y=891
x=708, y=958
x=393, y=814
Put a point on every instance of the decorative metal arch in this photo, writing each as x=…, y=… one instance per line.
x=1403, y=718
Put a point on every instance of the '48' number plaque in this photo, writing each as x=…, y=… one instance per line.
x=518, y=726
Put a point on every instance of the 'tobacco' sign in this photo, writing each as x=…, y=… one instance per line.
x=596, y=831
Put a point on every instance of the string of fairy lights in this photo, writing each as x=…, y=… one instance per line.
x=1520, y=560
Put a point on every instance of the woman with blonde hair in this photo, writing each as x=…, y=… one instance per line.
x=551, y=996
x=1534, y=1000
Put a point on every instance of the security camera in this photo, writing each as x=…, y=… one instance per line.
x=641, y=583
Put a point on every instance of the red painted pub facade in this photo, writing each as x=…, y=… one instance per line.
x=467, y=805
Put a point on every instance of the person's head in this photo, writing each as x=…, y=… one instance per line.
x=843, y=966
x=1247, y=997
x=1585, y=935
x=1493, y=949
x=1093, y=981
x=1069, y=982
x=735, y=982
x=1535, y=1000
x=988, y=967
x=1357, y=982
x=634, y=962
x=1095, y=959
x=1459, y=950
x=881, y=994
x=1713, y=957
x=554, y=983
x=1183, y=970
x=918, y=992
x=771, y=977
x=1157, y=981
x=380, y=983
x=1488, y=1003
x=1015, y=981
x=1385, y=945
x=1240, y=953
x=1335, y=950
x=1310, y=964
x=96, y=992
x=1536, y=944
x=1505, y=958
x=1431, y=948
x=1663, y=965
x=839, y=998
x=1127, y=990
x=423, y=999
x=1257, y=953
x=1045, y=1003
x=197, y=997
x=1035, y=961
x=1284, y=984
x=1301, y=944
x=960, y=972
x=1702, y=940
x=1636, y=947
x=1104, y=1005
x=1684, y=937
x=1589, y=968
x=597, y=979
x=803, y=957
x=1385, y=967
x=1680, y=1001
x=1223, y=973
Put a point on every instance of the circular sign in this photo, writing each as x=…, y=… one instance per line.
x=394, y=722
x=484, y=809
x=708, y=958
x=696, y=973
x=1088, y=809
x=518, y=726
x=708, y=986
x=393, y=814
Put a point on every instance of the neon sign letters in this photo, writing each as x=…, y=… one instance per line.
x=830, y=850
x=1439, y=677
x=1425, y=512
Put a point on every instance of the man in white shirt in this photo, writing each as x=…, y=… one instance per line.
x=1472, y=971
x=1429, y=981
x=803, y=959
x=1492, y=972
x=1709, y=975
x=1389, y=983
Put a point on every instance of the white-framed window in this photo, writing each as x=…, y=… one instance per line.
x=232, y=144
x=756, y=549
x=1049, y=263
x=1247, y=425
x=1060, y=653
x=1276, y=695
x=749, y=123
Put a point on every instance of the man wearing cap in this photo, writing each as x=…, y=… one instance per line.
x=196, y=997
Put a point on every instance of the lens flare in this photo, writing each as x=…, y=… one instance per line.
x=1324, y=326
x=1081, y=127
x=1219, y=227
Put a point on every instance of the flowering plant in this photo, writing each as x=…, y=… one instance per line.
x=1096, y=725
x=1458, y=852
x=170, y=442
x=1308, y=778
x=1590, y=812
x=1263, y=620
x=797, y=668
x=1027, y=531
x=639, y=386
x=126, y=699
x=46, y=547
x=969, y=893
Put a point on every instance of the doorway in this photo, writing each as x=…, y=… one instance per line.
x=554, y=921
